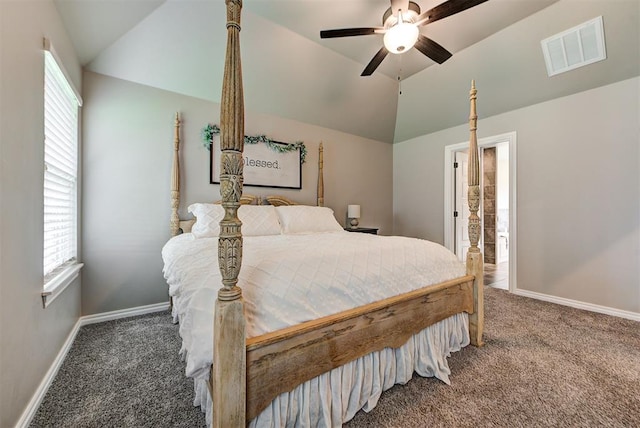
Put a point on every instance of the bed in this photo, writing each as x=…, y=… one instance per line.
x=317, y=367
x=290, y=279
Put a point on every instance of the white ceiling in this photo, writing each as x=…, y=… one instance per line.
x=454, y=33
x=94, y=25
x=178, y=45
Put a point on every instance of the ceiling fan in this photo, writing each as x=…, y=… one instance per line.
x=401, y=33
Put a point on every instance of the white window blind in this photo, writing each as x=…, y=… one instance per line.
x=60, y=169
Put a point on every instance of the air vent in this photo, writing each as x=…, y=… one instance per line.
x=576, y=47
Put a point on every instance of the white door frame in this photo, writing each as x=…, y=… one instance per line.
x=449, y=192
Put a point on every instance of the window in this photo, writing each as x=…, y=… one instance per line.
x=61, y=104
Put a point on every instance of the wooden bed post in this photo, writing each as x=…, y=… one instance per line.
x=320, y=176
x=229, y=347
x=475, y=265
x=175, y=180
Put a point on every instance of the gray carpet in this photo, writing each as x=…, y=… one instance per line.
x=543, y=365
x=123, y=373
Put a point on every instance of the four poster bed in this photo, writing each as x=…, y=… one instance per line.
x=308, y=345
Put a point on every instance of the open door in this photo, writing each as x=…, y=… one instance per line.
x=502, y=272
x=461, y=210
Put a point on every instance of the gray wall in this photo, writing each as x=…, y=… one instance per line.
x=30, y=336
x=578, y=192
x=128, y=142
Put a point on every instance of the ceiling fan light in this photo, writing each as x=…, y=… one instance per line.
x=401, y=37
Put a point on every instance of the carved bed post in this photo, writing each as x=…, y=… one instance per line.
x=175, y=180
x=320, y=176
x=475, y=265
x=229, y=353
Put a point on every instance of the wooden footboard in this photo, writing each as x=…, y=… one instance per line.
x=278, y=362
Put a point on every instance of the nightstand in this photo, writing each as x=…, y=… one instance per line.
x=371, y=230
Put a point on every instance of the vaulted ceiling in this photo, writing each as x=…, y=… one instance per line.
x=178, y=45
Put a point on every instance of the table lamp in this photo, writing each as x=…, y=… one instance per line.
x=353, y=213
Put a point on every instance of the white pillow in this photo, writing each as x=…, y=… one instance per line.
x=256, y=220
x=208, y=218
x=307, y=219
x=259, y=220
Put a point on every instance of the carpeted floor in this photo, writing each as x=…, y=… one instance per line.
x=543, y=365
x=123, y=373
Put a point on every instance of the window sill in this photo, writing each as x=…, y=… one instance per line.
x=59, y=283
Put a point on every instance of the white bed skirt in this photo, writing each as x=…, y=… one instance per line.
x=335, y=397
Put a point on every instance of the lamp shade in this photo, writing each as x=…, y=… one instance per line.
x=353, y=211
x=401, y=37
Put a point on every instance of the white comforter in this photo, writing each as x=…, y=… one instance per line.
x=289, y=279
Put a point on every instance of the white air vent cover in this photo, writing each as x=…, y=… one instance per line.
x=575, y=47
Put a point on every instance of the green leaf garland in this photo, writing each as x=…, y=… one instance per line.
x=210, y=131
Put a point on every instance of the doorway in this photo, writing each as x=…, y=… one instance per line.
x=497, y=206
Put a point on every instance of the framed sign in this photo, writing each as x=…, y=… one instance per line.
x=264, y=166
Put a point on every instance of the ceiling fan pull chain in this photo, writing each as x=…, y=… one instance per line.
x=399, y=84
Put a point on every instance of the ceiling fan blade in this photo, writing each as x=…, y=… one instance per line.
x=399, y=4
x=348, y=32
x=375, y=62
x=448, y=8
x=431, y=49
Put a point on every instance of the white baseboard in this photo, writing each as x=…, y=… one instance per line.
x=123, y=313
x=579, y=305
x=38, y=396
x=36, y=400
